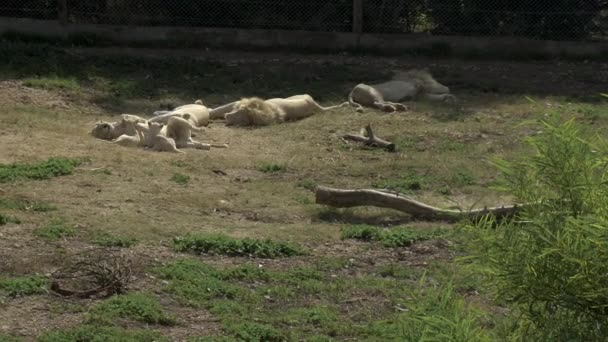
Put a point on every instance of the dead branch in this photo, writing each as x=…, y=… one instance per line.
x=340, y=198
x=96, y=272
x=368, y=138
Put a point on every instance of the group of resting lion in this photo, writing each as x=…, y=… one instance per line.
x=171, y=130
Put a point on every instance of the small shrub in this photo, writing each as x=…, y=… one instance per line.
x=53, y=167
x=551, y=263
x=90, y=332
x=9, y=338
x=27, y=286
x=272, y=167
x=180, y=178
x=221, y=244
x=136, y=306
x=55, y=230
x=114, y=241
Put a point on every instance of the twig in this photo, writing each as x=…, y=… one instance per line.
x=368, y=138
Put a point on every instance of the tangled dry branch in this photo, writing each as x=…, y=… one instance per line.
x=100, y=272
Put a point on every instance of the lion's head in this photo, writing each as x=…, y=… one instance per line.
x=424, y=81
x=103, y=130
x=252, y=111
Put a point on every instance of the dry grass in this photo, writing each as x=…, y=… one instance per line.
x=448, y=147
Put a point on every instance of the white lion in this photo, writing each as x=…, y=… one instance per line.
x=404, y=85
x=196, y=113
x=258, y=112
x=177, y=128
x=113, y=130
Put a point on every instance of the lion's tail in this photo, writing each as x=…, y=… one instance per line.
x=351, y=101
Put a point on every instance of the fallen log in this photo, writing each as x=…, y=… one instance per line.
x=368, y=137
x=341, y=198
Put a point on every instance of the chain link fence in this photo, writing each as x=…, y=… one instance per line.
x=540, y=19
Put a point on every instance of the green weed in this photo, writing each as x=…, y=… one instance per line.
x=410, y=181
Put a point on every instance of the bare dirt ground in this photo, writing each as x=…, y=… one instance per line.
x=443, y=159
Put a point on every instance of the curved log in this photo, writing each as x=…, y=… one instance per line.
x=340, y=198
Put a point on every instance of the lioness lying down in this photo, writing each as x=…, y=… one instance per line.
x=196, y=113
x=254, y=111
x=404, y=85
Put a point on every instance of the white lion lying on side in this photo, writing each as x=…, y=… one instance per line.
x=404, y=85
x=196, y=113
x=255, y=111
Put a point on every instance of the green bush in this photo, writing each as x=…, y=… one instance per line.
x=551, y=262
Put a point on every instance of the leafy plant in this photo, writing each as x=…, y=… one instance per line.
x=551, y=263
x=395, y=237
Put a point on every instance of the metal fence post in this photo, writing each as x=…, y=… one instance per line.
x=357, y=16
x=62, y=11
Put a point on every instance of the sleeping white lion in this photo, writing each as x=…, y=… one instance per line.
x=255, y=111
x=404, y=85
x=197, y=113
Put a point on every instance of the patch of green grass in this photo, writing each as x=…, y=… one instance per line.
x=225, y=245
x=272, y=167
x=180, y=178
x=24, y=286
x=136, y=306
x=53, y=167
x=4, y=219
x=214, y=339
x=463, y=177
x=395, y=237
x=55, y=230
x=52, y=83
x=94, y=333
x=26, y=205
x=107, y=240
x=255, y=304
